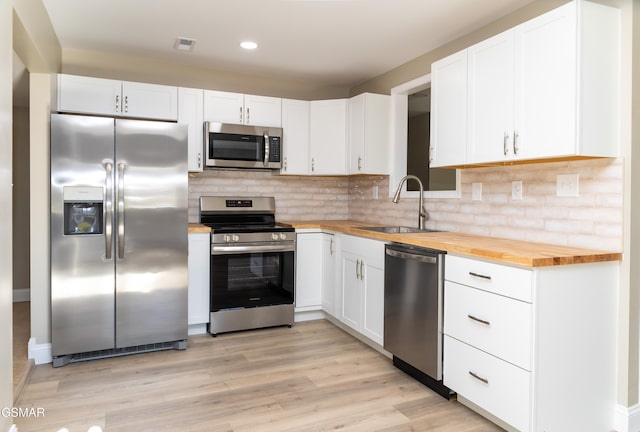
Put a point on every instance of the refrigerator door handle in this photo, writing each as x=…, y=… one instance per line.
x=120, y=199
x=108, y=210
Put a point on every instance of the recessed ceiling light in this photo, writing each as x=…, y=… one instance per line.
x=184, y=44
x=249, y=45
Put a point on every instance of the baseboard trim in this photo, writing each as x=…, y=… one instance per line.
x=627, y=419
x=21, y=295
x=310, y=315
x=40, y=353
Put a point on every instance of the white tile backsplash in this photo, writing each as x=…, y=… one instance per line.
x=592, y=220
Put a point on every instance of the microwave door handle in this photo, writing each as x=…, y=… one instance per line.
x=266, y=149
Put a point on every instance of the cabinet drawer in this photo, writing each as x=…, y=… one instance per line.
x=497, y=278
x=501, y=388
x=493, y=323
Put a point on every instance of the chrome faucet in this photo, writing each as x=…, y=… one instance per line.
x=422, y=213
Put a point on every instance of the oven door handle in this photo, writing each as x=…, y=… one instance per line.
x=238, y=249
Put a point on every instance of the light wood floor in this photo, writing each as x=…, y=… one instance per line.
x=312, y=377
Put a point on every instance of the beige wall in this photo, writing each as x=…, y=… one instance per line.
x=6, y=295
x=21, y=198
x=104, y=65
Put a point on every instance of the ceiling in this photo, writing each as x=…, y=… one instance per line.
x=322, y=42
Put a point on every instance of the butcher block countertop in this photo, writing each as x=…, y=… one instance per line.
x=198, y=228
x=524, y=253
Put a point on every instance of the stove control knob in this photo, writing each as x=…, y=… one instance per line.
x=227, y=238
x=274, y=236
x=283, y=236
x=236, y=237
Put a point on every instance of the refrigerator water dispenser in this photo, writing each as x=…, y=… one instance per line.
x=83, y=210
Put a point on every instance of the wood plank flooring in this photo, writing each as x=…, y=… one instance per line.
x=312, y=377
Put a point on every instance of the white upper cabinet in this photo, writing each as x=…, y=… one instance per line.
x=190, y=112
x=548, y=88
x=295, y=129
x=490, y=99
x=369, y=119
x=328, y=136
x=87, y=95
x=449, y=111
x=237, y=108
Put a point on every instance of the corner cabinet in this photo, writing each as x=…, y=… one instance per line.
x=533, y=347
x=87, y=95
x=190, y=112
x=362, y=287
x=547, y=88
x=237, y=108
x=369, y=123
x=198, y=288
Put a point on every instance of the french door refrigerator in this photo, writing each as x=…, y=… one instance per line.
x=118, y=236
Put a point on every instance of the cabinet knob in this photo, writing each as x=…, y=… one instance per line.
x=248, y=116
x=515, y=142
x=117, y=103
x=313, y=164
x=240, y=114
x=359, y=164
x=126, y=104
x=199, y=160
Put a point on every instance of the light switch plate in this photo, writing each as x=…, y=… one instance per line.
x=516, y=190
x=476, y=191
x=567, y=185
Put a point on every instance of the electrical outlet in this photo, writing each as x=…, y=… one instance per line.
x=476, y=191
x=567, y=185
x=516, y=190
x=374, y=192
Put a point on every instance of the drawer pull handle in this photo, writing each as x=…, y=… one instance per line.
x=481, y=276
x=478, y=377
x=481, y=321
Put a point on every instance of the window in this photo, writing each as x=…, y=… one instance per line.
x=411, y=106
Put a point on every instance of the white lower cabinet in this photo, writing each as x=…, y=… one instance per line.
x=533, y=347
x=315, y=266
x=362, y=286
x=198, y=288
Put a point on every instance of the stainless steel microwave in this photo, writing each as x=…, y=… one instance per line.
x=242, y=146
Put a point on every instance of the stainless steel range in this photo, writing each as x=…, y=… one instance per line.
x=252, y=264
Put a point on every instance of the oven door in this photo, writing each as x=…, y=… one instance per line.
x=246, y=277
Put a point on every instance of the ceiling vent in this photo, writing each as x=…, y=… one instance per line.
x=184, y=44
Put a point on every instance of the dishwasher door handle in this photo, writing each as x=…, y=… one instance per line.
x=405, y=255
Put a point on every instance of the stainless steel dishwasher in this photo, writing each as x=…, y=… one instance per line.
x=413, y=294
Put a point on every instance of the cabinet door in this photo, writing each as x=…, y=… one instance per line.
x=223, y=107
x=351, y=312
x=87, y=95
x=309, y=271
x=369, y=119
x=546, y=85
x=449, y=111
x=190, y=112
x=151, y=101
x=263, y=111
x=198, y=291
x=491, y=100
x=373, y=319
x=295, y=127
x=328, y=136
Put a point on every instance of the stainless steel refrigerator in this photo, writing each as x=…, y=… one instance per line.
x=118, y=236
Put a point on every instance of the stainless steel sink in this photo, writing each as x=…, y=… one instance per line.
x=396, y=229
